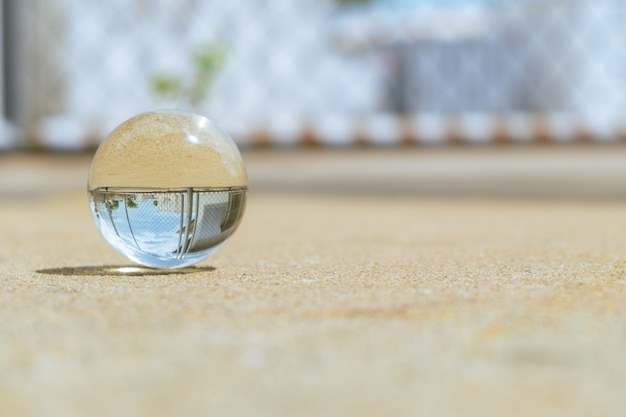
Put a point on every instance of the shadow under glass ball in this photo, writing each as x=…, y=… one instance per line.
x=167, y=189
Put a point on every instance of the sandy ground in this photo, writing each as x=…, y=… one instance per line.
x=439, y=282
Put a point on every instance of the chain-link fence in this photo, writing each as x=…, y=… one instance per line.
x=333, y=72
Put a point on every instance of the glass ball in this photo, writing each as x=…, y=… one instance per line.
x=167, y=189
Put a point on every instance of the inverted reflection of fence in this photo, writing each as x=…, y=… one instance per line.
x=328, y=72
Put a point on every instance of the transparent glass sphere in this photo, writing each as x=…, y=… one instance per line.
x=167, y=188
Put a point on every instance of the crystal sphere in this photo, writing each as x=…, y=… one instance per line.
x=167, y=188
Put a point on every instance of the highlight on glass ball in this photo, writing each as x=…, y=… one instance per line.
x=167, y=189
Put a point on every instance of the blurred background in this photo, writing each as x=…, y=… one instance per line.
x=329, y=72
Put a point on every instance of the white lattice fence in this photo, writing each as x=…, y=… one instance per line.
x=321, y=71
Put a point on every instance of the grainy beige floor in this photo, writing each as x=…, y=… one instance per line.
x=340, y=295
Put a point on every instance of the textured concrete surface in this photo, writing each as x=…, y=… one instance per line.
x=339, y=295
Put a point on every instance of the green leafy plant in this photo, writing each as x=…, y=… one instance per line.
x=112, y=204
x=207, y=61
